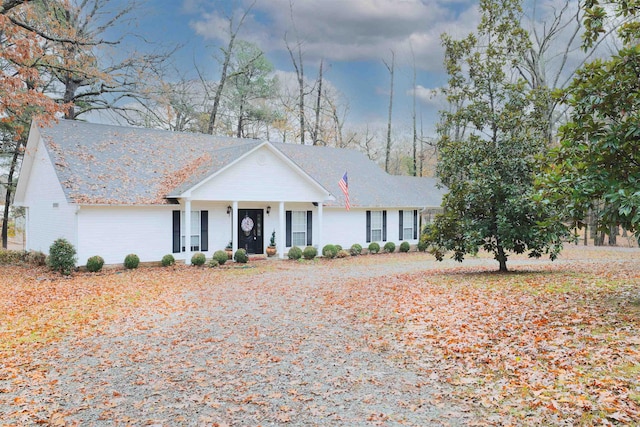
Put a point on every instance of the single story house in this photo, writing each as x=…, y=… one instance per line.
x=113, y=190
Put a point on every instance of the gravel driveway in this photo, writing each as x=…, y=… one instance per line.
x=259, y=347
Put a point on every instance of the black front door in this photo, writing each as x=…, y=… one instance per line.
x=250, y=230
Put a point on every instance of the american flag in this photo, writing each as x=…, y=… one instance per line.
x=344, y=186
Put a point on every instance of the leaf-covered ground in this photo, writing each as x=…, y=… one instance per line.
x=374, y=340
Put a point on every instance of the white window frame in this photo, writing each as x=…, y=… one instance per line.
x=407, y=224
x=299, y=228
x=195, y=231
x=376, y=216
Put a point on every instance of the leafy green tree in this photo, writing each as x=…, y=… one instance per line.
x=250, y=82
x=488, y=143
x=598, y=159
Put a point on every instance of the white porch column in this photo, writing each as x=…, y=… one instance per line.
x=320, y=236
x=187, y=231
x=234, y=226
x=282, y=238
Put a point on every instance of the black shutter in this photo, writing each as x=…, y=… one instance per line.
x=400, y=220
x=288, y=228
x=204, y=231
x=415, y=224
x=176, y=232
x=368, y=226
x=309, y=229
x=384, y=226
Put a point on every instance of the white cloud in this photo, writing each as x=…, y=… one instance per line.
x=354, y=30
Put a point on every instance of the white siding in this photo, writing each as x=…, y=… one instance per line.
x=346, y=228
x=49, y=216
x=115, y=231
x=262, y=175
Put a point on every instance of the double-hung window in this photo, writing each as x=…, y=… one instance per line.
x=299, y=228
x=376, y=226
x=408, y=221
x=197, y=227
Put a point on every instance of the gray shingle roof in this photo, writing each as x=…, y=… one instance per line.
x=104, y=164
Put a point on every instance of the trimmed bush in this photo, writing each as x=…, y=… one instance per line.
x=389, y=247
x=423, y=245
x=295, y=253
x=62, y=256
x=374, y=248
x=220, y=256
x=198, y=259
x=329, y=251
x=36, y=258
x=356, y=249
x=213, y=263
x=11, y=257
x=131, y=261
x=405, y=247
x=95, y=263
x=241, y=256
x=309, y=252
x=168, y=260
x=342, y=254
x=338, y=247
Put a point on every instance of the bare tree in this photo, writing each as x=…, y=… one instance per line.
x=391, y=68
x=227, y=54
x=316, y=126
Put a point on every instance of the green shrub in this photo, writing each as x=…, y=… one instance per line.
x=405, y=247
x=423, y=245
x=36, y=258
x=389, y=247
x=241, y=256
x=131, y=261
x=95, y=263
x=356, y=249
x=374, y=248
x=213, y=263
x=338, y=247
x=329, y=251
x=11, y=257
x=62, y=256
x=295, y=253
x=168, y=260
x=198, y=259
x=343, y=254
x=220, y=256
x=309, y=252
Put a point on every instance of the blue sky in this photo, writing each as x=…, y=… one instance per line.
x=352, y=36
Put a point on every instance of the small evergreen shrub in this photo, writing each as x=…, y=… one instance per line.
x=62, y=256
x=356, y=249
x=168, y=260
x=309, y=252
x=343, y=254
x=338, y=247
x=213, y=263
x=295, y=253
x=422, y=245
x=198, y=259
x=95, y=263
x=405, y=246
x=220, y=256
x=131, y=261
x=329, y=251
x=241, y=256
x=374, y=248
x=35, y=258
x=389, y=247
x=11, y=257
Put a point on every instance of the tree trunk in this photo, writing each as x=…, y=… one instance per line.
x=613, y=233
x=388, y=147
x=316, y=128
x=7, y=199
x=501, y=257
